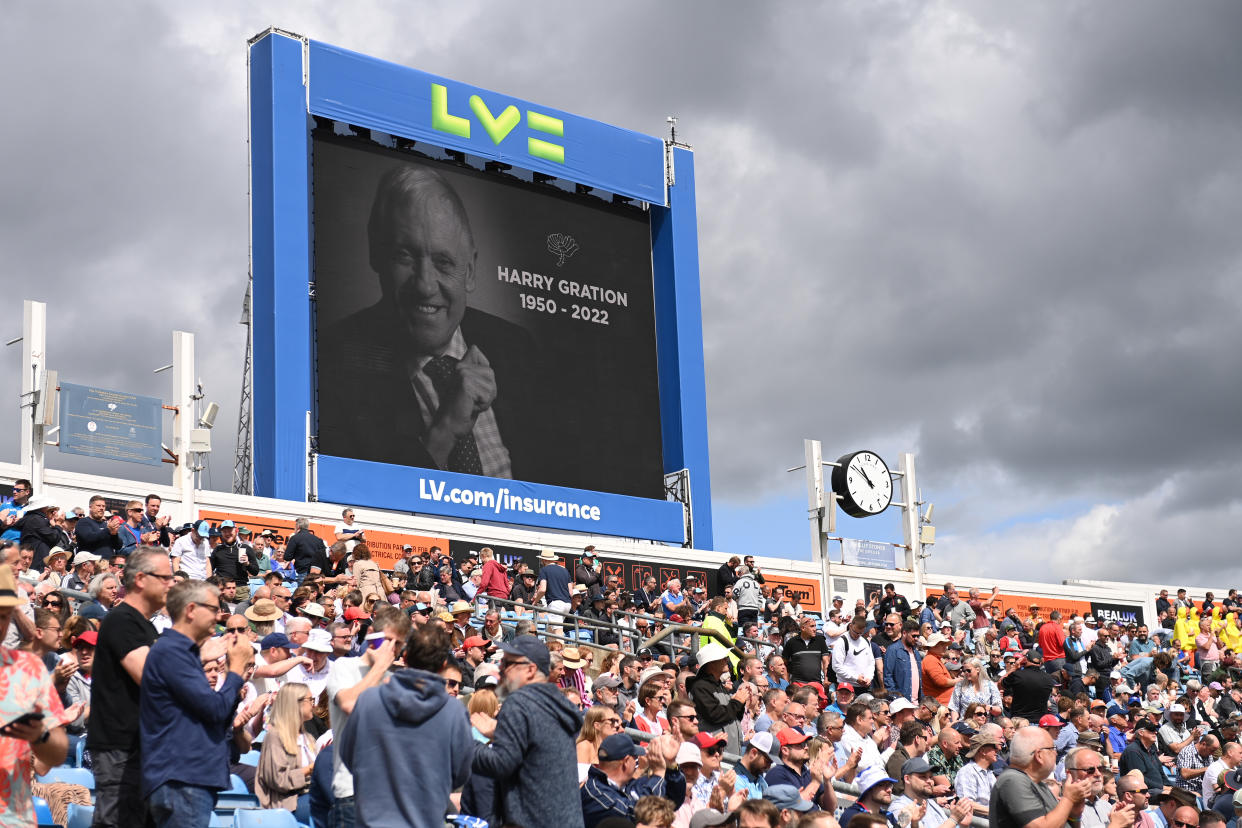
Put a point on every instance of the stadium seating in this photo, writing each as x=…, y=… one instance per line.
x=273, y=818
x=79, y=816
x=74, y=776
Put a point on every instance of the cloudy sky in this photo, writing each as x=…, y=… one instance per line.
x=1001, y=236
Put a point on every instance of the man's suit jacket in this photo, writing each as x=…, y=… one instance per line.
x=364, y=353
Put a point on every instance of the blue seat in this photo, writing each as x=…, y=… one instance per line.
x=267, y=818
x=80, y=816
x=237, y=785
x=74, y=776
x=251, y=759
x=43, y=813
x=230, y=801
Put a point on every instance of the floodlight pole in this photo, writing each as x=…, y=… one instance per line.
x=910, y=523
x=34, y=368
x=184, y=421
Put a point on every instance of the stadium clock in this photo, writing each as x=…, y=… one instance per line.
x=864, y=484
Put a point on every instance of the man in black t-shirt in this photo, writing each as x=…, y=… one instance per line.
x=808, y=656
x=125, y=637
x=1030, y=687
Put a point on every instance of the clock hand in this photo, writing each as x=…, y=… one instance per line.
x=865, y=477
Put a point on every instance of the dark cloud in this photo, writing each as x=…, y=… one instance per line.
x=1001, y=236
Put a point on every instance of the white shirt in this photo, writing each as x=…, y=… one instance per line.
x=1210, y=777
x=193, y=556
x=492, y=452
x=342, y=674
x=315, y=680
x=851, y=739
x=350, y=539
x=851, y=658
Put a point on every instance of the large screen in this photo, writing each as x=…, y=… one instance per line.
x=473, y=322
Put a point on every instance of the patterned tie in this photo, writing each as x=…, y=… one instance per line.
x=464, y=457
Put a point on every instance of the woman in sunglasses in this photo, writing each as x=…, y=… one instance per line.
x=598, y=724
x=56, y=604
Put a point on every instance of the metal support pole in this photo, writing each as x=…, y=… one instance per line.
x=183, y=421
x=819, y=506
x=910, y=524
x=34, y=367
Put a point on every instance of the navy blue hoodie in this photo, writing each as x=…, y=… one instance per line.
x=533, y=761
x=408, y=745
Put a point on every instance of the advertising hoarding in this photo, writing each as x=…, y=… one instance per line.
x=1068, y=607
x=545, y=298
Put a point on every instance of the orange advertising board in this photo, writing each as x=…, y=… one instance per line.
x=807, y=589
x=385, y=546
x=1022, y=603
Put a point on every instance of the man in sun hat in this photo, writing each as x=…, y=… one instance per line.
x=718, y=708
x=875, y=794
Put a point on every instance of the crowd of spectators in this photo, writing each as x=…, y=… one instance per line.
x=173, y=659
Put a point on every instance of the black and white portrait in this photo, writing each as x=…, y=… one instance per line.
x=478, y=324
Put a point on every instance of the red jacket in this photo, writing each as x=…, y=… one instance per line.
x=495, y=581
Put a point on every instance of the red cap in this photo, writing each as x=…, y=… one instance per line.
x=1049, y=720
x=90, y=637
x=355, y=614
x=707, y=740
x=475, y=641
x=790, y=736
x=675, y=618
x=845, y=685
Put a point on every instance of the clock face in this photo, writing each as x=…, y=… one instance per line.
x=863, y=481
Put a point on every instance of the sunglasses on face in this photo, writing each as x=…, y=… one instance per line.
x=717, y=751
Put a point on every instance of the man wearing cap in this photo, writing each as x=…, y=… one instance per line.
x=192, y=553
x=231, y=558
x=531, y=755
x=812, y=778
x=613, y=784
x=474, y=649
x=1141, y=755
x=1174, y=736
x=808, y=657
x=917, y=800
x=1030, y=686
x=761, y=751
x=392, y=784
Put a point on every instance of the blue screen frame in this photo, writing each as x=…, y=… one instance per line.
x=292, y=79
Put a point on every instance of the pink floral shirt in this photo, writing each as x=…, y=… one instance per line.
x=25, y=687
